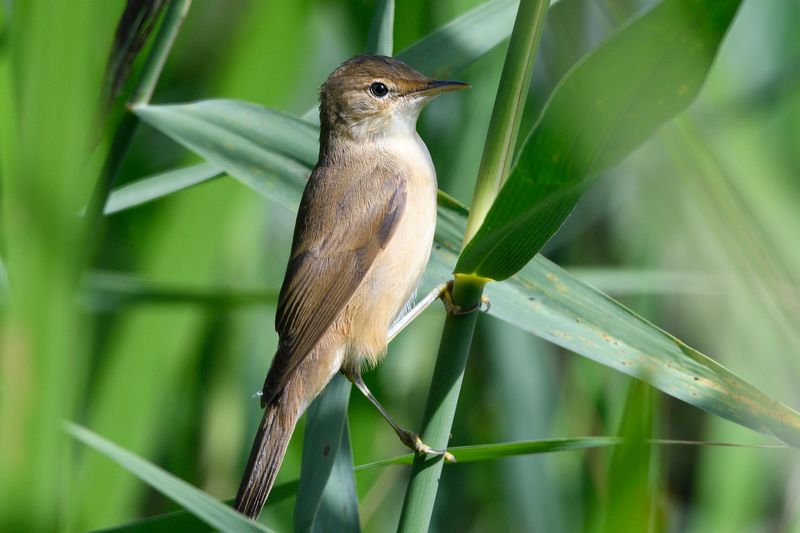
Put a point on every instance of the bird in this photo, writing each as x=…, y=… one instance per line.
x=362, y=239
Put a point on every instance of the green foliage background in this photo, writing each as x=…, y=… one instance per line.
x=172, y=331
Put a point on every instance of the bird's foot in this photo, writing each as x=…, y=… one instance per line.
x=415, y=443
x=453, y=308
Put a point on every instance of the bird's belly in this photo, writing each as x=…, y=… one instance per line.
x=393, y=278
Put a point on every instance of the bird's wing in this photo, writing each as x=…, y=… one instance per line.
x=329, y=261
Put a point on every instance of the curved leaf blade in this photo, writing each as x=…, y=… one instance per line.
x=606, y=106
x=547, y=301
x=270, y=151
x=200, y=504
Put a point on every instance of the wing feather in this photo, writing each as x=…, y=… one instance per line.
x=329, y=263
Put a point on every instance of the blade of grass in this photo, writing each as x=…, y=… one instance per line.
x=203, y=506
x=633, y=473
x=154, y=187
x=184, y=520
x=325, y=445
x=467, y=290
x=273, y=156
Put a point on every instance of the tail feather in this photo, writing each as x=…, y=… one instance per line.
x=266, y=457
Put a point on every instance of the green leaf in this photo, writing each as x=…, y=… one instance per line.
x=605, y=107
x=326, y=499
x=632, y=487
x=181, y=520
x=381, y=31
x=153, y=187
x=547, y=301
x=268, y=151
x=203, y=506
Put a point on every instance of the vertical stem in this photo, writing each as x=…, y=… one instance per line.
x=168, y=31
x=498, y=150
x=467, y=290
x=441, y=407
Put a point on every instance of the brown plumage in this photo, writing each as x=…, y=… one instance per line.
x=362, y=238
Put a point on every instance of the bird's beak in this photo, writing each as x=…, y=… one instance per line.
x=434, y=87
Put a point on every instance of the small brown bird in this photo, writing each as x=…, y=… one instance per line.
x=362, y=239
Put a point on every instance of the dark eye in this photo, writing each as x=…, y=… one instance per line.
x=378, y=89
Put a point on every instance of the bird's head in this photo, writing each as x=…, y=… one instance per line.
x=373, y=96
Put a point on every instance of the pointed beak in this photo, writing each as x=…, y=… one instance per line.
x=434, y=87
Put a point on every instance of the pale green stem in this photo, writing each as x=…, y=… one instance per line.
x=498, y=150
x=468, y=290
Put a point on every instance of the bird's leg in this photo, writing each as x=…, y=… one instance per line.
x=409, y=438
x=415, y=311
x=442, y=291
x=453, y=308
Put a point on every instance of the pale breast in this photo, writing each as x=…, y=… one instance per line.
x=397, y=270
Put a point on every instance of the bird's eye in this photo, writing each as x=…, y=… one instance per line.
x=378, y=89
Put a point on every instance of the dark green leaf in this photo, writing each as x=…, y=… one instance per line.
x=606, y=106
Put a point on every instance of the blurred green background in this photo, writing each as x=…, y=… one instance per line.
x=697, y=231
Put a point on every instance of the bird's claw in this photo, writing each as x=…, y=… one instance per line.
x=415, y=443
x=453, y=308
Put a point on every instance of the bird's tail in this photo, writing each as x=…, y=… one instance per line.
x=266, y=455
